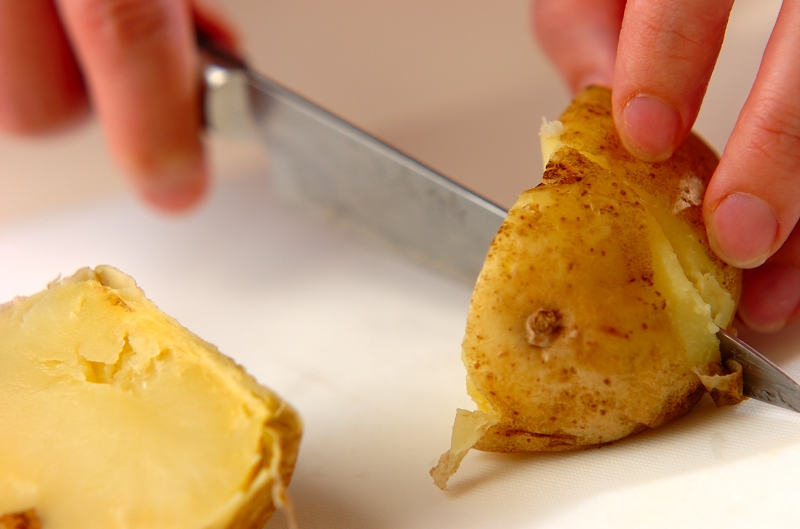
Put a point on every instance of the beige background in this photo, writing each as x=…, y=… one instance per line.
x=458, y=84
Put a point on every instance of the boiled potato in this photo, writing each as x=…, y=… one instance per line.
x=113, y=415
x=597, y=308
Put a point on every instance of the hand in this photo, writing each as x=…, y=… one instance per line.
x=134, y=62
x=658, y=55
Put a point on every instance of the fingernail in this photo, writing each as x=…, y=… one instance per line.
x=177, y=184
x=649, y=128
x=770, y=297
x=742, y=230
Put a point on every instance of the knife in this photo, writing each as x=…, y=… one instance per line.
x=763, y=380
x=328, y=166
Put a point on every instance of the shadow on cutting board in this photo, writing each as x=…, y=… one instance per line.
x=319, y=507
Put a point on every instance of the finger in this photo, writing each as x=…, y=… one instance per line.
x=753, y=201
x=40, y=86
x=667, y=51
x=580, y=37
x=141, y=66
x=771, y=292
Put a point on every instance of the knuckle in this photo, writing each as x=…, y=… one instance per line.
x=775, y=133
x=124, y=22
x=671, y=39
x=683, y=33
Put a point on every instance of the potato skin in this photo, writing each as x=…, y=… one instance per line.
x=579, y=248
x=20, y=520
x=286, y=427
x=591, y=265
x=589, y=128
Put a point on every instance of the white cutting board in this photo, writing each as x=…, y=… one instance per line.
x=366, y=346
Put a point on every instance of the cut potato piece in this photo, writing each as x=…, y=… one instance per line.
x=599, y=302
x=116, y=416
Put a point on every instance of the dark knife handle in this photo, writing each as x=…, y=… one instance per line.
x=213, y=52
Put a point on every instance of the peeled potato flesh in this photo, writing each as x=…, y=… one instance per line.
x=116, y=416
x=597, y=308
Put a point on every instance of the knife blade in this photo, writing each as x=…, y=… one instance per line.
x=763, y=379
x=328, y=166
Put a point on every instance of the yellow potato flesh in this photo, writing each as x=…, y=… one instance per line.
x=116, y=416
x=608, y=260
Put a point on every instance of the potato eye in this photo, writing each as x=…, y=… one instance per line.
x=542, y=327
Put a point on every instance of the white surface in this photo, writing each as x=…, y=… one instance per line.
x=366, y=346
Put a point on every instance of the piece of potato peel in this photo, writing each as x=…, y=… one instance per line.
x=468, y=429
x=114, y=415
x=724, y=383
x=599, y=299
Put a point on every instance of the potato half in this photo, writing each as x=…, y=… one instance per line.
x=113, y=415
x=597, y=308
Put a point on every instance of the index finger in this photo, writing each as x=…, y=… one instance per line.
x=141, y=69
x=667, y=51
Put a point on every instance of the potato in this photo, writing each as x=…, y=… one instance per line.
x=20, y=520
x=116, y=416
x=597, y=308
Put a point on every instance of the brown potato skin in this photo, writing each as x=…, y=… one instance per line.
x=589, y=128
x=20, y=520
x=589, y=389
x=586, y=388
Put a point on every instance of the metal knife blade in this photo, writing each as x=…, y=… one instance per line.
x=763, y=380
x=326, y=164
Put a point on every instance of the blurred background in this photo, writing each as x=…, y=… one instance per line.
x=458, y=84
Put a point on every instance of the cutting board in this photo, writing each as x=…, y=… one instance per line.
x=366, y=346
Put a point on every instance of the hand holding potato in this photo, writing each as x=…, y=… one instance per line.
x=595, y=314
x=658, y=57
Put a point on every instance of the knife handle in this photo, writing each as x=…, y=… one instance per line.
x=213, y=52
x=226, y=107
